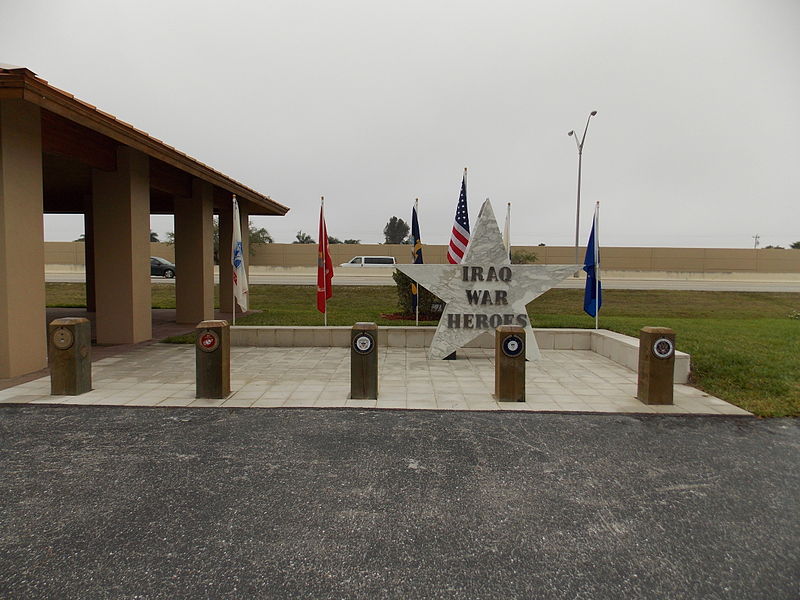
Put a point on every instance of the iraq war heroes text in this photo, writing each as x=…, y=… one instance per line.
x=482, y=297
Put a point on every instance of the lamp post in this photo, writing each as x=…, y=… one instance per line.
x=580, y=160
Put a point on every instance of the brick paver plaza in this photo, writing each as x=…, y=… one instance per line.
x=564, y=381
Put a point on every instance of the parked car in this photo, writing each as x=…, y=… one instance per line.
x=370, y=261
x=161, y=267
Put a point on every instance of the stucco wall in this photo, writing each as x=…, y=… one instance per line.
x=693, y=260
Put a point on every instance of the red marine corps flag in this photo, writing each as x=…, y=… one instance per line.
x=324, y=266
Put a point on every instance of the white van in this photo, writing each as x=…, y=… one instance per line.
x=370, y=261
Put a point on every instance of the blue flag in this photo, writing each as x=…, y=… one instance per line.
x=592, y=297
x=416, y=253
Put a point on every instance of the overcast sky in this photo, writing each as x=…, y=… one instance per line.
x=373, y=104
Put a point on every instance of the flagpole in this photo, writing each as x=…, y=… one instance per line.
x=325, y=278
x=233, y=238
x=416, y=285
x=597, y=265
x=508, y=230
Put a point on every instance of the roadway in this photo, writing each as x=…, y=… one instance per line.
x=309, y=278
x=173, y=503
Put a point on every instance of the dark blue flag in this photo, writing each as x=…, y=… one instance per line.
x=592, y=297
x=416, y=253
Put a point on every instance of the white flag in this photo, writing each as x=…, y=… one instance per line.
x=240, y=292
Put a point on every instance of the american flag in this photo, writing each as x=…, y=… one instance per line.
x=459, y=238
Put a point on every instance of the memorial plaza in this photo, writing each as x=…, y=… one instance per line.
x=562, y=381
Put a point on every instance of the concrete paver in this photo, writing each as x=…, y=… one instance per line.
x=564, y=380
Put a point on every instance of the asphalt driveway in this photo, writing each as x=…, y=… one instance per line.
x=302, y=503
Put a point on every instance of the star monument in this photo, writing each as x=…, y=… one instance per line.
x=485, y=290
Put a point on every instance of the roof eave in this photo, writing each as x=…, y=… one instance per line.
x=23, y=83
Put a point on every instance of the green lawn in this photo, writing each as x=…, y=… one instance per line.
x=745, y=347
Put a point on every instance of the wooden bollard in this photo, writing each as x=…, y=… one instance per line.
x=656, y=365
x=509, y=364
x=364, y=361
x=213, y=359
x=69, y=356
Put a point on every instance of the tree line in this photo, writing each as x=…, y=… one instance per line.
x=396, y=231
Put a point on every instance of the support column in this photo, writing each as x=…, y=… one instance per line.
x=225, y=266
x=23, y=338
x=88, y=255
x=122, y=249
x=194, y=254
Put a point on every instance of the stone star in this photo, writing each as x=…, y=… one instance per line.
x=485, y=290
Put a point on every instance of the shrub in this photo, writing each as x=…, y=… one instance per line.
x=523, y=257
x=430, y=306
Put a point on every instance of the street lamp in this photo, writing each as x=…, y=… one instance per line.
x=580, y=160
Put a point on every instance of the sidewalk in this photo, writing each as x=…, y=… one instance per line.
x=627, y=280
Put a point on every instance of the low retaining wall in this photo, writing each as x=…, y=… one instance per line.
x=621, y=349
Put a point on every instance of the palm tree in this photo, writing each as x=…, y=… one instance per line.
x=303, y=238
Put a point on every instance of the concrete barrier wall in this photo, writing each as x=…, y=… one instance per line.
x=621, y=349
x=163, y=250
x=694, y=260
x=63, y=253
x=686, y=260
x=303, y=255
x=72, y=253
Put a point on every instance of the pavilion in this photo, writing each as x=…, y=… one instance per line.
x=61, y=155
